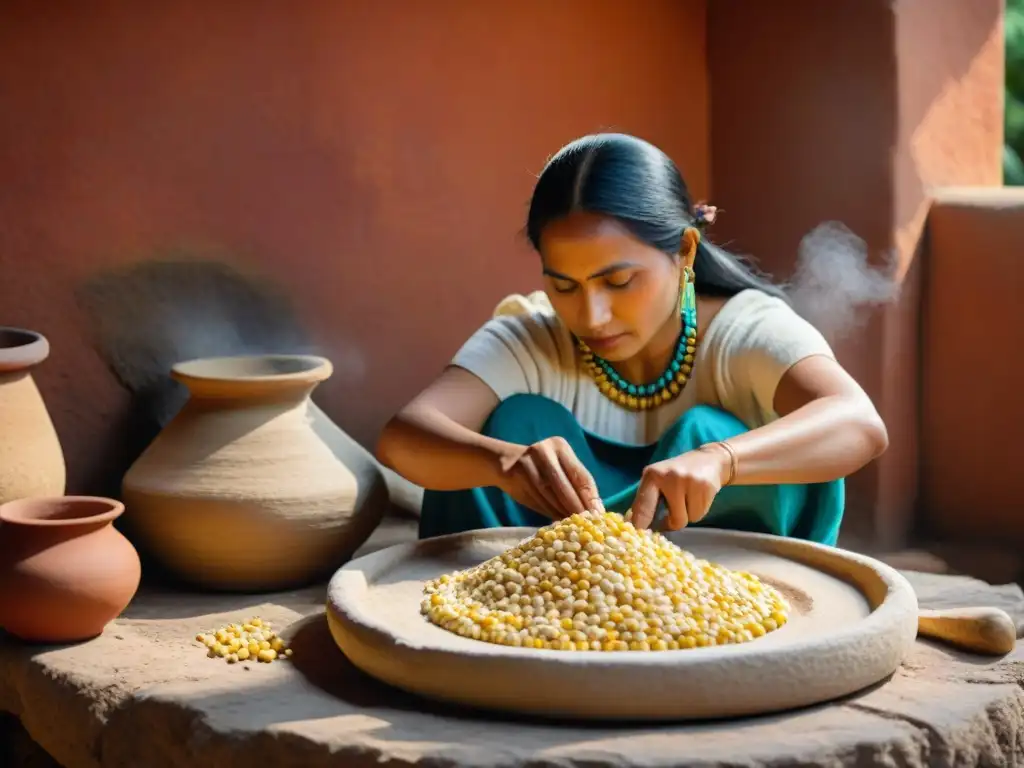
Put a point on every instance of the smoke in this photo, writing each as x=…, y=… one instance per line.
x=834, y=287
x=150, y=315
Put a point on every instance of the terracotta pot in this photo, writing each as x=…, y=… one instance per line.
x=31, y=459
x=247, y=488
x=65, y=571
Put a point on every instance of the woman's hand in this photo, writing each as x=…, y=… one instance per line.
x=548, y=478
x=689, y=484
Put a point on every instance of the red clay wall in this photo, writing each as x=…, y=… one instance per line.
x=374, y=158
x=972, y=412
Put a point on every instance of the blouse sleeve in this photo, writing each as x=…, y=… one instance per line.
x=518, y=352
x=754, y=345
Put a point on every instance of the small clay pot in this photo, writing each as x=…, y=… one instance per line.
x=31, y=459
x=65, y=571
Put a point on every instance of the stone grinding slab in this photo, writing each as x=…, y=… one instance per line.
x=143, y=689
x=852, y=621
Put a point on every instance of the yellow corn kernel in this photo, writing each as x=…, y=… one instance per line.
x=253, y=639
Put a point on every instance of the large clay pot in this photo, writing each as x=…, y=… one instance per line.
x=248, y=487
x=65, y=571
x=31, y=459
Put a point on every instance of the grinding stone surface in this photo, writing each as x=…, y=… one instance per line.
x=143, y=689
x=833, y=645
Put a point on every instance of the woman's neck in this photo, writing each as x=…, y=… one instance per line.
x=653, y=359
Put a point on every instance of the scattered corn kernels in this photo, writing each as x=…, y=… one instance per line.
x=252, y=640
x=595, y=582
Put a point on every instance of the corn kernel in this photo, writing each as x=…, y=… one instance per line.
x=594, y=582
x=253, y=639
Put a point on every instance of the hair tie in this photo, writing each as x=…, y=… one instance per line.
x=704, y=215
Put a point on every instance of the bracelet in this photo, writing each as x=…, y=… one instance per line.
x=732, y=459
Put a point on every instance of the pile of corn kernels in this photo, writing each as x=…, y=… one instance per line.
x=595, y=582
x=253, y=640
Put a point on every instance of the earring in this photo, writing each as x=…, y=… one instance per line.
x=688, y=302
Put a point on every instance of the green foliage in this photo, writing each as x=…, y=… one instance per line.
x=1013, y=150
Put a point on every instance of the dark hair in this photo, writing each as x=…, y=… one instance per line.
x=622, y=176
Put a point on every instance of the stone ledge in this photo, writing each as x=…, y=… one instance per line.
x=144, y=688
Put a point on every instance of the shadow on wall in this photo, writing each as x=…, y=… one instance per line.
x=151, y=314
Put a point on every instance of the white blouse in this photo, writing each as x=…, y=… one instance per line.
x=748, y=346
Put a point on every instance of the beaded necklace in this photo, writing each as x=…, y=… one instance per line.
x=668, y=386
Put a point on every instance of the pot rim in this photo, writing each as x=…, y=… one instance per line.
x=234, y=369
x=18, y=511
x=21, y=348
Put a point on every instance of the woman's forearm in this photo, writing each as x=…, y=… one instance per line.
x=826, y=439
x=431, y=450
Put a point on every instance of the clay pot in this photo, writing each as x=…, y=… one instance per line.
x=31, y=459
x=249, y=487
x=65, y=571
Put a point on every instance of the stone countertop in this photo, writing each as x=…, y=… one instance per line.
x=145, y=694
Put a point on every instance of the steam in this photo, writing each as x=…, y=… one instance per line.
x=834, y=287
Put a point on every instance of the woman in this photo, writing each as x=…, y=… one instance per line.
x=654, y=371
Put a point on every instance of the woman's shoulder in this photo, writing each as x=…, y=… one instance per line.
x=531, y=318
x=756, y=321
x=524, y=305
x=522, y=347
x=751, y=308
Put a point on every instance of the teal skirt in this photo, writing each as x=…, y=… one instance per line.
x=812, y=512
